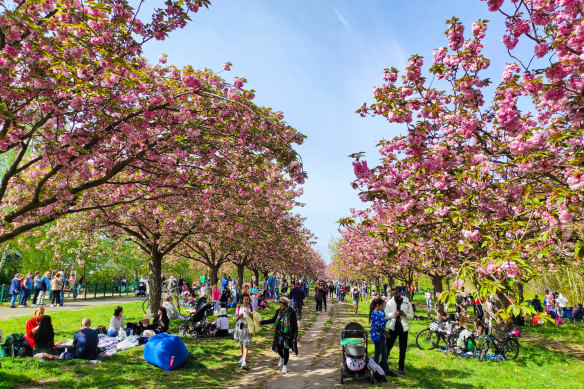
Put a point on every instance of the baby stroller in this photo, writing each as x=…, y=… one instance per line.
x=141, y=289
x=197, y=324
x=354, y=346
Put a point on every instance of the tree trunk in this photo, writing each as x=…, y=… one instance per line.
x=213, y=276
x=240, y=268
x=437, y=286
x=265, y=274
x=390, y=283
x=520, y=293
x=256, y=275
x=155, y=271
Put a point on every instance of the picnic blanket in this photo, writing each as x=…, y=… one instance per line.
x=110, y=345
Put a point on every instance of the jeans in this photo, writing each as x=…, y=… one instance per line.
x=272, y=294
x=277, y=291
x=36, y=295
x=381, y=352
x=62, y=296
x=112, y=333
x=24, y=296
x=403, y=344
x=13, y=300
x=429, y=305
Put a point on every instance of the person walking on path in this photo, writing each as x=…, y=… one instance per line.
x=318, y=296
x=15, y=287
x=286, y=332
x=241, y=333
x=399, y=311
x=356, y=298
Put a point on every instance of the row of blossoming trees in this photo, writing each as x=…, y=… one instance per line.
x=98, y=142
x=483, y=190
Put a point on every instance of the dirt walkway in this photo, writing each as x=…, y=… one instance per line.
x=317, y=363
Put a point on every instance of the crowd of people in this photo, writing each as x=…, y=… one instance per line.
x=38, y=287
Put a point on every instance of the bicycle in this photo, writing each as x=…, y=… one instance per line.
x=508, y=347
x=174, y=293
x=436, y=336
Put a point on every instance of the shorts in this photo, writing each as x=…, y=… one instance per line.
x=355, y=301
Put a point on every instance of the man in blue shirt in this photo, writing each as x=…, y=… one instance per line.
x=85, y=341
x=224, y=282
x=271, y=286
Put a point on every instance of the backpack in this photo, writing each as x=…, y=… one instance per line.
x=16, y=346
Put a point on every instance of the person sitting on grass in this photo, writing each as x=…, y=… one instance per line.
x=171, y=310
x=159, y=325
x=578, y=312
x=85, y=341
x=220, y=327
x=32, y=325
x=116, y=323
x=44, y=337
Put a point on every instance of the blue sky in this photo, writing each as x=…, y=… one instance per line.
x=317, y=62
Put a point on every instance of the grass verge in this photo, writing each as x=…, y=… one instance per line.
x=212, y=361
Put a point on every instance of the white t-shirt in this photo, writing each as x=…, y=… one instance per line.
x=115, y=324
x=222, y=323
x=428, y=295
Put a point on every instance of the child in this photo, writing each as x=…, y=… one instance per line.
x=378, y=322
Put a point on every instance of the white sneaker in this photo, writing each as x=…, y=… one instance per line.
x=244, y=365
x=240, y=360
x=284, y=369
x=52, y=305
x=281, y=362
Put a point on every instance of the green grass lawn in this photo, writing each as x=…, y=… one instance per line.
x=212, y=362
x=536, y=367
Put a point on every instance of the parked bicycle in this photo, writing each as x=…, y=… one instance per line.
x=436, y=336
x=165, y=292
x=507, y=347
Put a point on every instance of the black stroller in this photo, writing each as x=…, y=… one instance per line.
x=355, y=357
x=197, y=324
x=141, y=289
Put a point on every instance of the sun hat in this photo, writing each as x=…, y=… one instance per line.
x=285, y=300
x=223, y=312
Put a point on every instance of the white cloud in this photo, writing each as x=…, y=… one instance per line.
x=343, y=21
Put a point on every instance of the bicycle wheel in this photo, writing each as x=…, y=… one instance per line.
x=145, y=306
x=427, y=340
x=511, y=349
x=484, y=350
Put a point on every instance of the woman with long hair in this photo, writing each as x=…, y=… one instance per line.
x=44, y=338
x=241, y=333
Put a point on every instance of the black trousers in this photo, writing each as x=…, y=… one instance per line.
x=284, y=353
x=318, y=305
x=324, y=302
x=403, y=344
